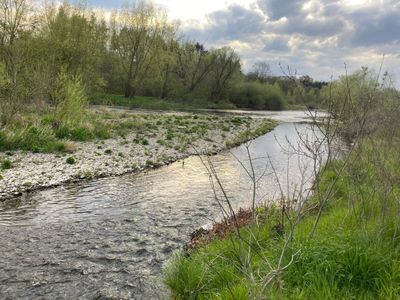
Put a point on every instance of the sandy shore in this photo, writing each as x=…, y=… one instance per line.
x=166, y=138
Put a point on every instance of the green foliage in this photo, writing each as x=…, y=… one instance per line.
x=4, y=81
x=353, y=255
x=70, y=100
x=5, y=164
x=31, y=138
x=258, y=96
x=76, y=134
x=363, y=102
x=70, y=160
x=161, y=142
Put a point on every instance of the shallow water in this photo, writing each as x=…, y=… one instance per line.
x=109, y=238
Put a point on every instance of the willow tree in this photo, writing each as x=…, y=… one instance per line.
x=137, y=36
x=76, y=41
x=16, y=26
x=225, y=68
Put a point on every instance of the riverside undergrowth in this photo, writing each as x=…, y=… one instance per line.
x=354, y=253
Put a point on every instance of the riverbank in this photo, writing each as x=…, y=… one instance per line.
x=143, y=140
x=354, y=253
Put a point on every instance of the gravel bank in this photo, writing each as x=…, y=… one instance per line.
x=156, y=146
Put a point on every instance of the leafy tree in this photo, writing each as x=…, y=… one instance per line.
x=16, y=23
x=226, y=66
x=136, y=37
x=76, y=40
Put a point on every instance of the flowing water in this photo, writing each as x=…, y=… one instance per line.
x=109, y=238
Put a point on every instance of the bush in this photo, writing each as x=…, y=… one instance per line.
x=70, y=100
x=258, y=96
x=6, y=164
x=71, y=160
x=30, y=138
x=75, y=134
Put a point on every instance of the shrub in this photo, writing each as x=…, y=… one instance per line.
x=30, y=138
x=108, y=151
x=71, y=160
x=76, y=134
x=258, y=96
x=6, y=164
x=70, y=100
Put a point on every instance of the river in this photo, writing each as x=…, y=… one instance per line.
x=110, y=238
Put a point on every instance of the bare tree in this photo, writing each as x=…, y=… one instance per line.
x=261, y=71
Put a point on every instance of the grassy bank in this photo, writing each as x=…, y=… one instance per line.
x=144, y=102
x=354, y=254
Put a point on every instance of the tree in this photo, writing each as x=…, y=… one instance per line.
x=76, y=40
x=136, y=38
x=16, y=25
x=193, y=66
x=226, y=66
x=261, y=71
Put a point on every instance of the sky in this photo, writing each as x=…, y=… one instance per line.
x=316, y=37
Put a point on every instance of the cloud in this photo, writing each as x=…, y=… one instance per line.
x=311, y=26
x=276, y=44
x=376, y=28
x=277, y=9
x=231, y=24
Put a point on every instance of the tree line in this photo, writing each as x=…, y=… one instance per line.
x=51, y=54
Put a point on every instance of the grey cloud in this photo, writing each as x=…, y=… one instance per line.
x=276, y=9
x=373, y=28
x=277, y=45
x=318, y=27
x=233, y=23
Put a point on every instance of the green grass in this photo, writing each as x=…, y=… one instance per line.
x=5, y=164
x=244, y=136
x=154, y=103
x=30, y=137
x=355, y=253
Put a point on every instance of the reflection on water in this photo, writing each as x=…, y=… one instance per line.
x=108, y=238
